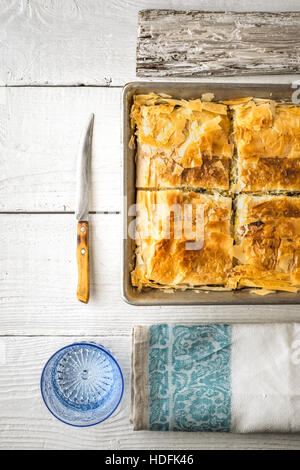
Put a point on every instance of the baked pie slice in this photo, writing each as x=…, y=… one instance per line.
x=267, y=242
x=267, y=136
x=183, y=239
x=181, y=143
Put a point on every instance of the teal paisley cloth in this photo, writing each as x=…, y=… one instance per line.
x=240, y=378
x=188, y=378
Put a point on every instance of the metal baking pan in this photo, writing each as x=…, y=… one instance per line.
x=179, y=90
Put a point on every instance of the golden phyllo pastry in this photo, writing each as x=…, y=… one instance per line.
x=189, y=156
x=267, y=236
x=183, y=239
x=181, y=143
x=267, y=137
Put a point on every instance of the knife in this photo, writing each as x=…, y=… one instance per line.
x=82, y=211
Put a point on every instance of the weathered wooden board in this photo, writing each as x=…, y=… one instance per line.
x=27, y=424
x=190, y=43
x=38, y=277
x=40, y=129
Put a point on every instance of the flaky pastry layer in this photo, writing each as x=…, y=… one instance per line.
x=183, y=239
x=267, y=137
x=189, y=145
x=181, y=143
x=267, y=235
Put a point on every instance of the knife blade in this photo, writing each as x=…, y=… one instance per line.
x=82, y=210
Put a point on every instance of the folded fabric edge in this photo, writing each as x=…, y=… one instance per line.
x=139, y=378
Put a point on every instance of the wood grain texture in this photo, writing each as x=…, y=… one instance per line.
x=83, y=284
x=64, y=42
x=40, y=130
x=25, y=423
x=89, y=42
x=189, y=43
x=38, y=278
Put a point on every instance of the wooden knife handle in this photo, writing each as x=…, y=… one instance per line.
x=83, y=287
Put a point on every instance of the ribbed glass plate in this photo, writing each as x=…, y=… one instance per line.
x=82, y=384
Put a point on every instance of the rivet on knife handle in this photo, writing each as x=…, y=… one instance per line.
x=83, y=287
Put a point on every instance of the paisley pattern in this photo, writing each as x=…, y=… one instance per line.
x=189, y=377
x=158, y=378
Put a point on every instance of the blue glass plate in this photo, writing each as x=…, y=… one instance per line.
x=82, y=384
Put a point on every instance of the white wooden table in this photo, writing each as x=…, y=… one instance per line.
x=47, y=49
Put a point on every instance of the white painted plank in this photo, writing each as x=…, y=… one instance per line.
x=25, y=423
x=40, y=130
x=38, y=278
x=89, y=42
